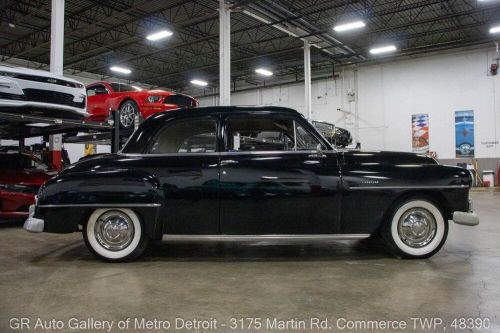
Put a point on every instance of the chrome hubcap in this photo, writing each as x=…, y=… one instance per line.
x=127, y=115
x=114, y=230
x=417, y=227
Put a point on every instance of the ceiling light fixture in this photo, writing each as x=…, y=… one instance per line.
x=263, y=71
x=349, y=26
x=200, y=83
x=383, y=49
x=122, y=70
x=159, y=35
x=495, y=30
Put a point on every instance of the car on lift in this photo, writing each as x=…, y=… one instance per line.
x=337, y=136
x=30, y=91
x=131, y=101
x=20, y=178
x=250, y=173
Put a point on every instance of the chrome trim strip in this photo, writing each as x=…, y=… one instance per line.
x=277, y=152
x=406, y=187
x=312, y=237
x=231, y=153
x=103, y=205
x=168, y=154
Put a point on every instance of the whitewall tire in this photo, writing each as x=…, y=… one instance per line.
x=115, y=234
x=415, y=229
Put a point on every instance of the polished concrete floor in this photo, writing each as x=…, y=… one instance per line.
x=51, y=276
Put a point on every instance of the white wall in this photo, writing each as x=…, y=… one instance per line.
x=388, y=94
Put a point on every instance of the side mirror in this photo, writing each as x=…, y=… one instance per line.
x=319, y=149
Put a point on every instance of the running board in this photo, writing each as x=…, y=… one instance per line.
x=253, y=238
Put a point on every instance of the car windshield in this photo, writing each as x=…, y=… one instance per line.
x=122, y=87
x=21, y=161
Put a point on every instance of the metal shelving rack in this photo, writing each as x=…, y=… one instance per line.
x=22, y=126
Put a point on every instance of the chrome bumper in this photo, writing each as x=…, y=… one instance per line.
x=465, y=218
x=33, y=224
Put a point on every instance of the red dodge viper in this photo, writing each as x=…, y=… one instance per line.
x=131, y=101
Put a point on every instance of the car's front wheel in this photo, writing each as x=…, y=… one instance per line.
x=415, y=229
x=129, y=112
x=115, y=234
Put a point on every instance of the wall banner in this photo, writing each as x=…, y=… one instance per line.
x=420, y=133
x=464, y=133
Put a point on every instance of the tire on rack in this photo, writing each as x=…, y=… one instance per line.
x=115, y=234
x=129, y=111
x=415, y=229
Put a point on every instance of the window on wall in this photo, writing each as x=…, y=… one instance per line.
x=268, y=134
x=186, y=136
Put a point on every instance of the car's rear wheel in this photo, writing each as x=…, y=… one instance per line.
x=129, y=112
x=115, y=234
x=415, y=229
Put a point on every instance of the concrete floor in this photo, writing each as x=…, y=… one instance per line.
x=52, y=276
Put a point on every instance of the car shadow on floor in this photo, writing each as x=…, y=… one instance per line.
x=5, y=224
x=266, y=251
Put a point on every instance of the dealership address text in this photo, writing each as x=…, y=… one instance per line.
x=250, y=324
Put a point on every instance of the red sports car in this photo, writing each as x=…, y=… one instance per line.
x=131, y=101
x=21, y=175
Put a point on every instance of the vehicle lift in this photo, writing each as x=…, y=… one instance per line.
x=21, y=126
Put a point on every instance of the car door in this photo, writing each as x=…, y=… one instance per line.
x=97, y=101
x=274, y=181
x=184, y=158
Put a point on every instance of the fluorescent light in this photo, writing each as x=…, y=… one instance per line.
x=495, y=30
x=160, y=35
x=383, y=49
x=349, y=26
x=200, y=83
x=120, y=70
x=263, y=71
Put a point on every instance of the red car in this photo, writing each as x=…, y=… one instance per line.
x=21, y=176
x=131, y=101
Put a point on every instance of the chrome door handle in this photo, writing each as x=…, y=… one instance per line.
x=269, y=178
x=228, y=162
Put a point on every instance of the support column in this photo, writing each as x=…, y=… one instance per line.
x=307, y=80
x=56, y=67
x=224, y=53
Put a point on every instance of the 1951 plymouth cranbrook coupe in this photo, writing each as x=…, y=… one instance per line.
x=250, y=173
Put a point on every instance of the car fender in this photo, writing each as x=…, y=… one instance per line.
x=66, y=201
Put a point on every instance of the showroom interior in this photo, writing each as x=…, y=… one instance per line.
x=413, y=76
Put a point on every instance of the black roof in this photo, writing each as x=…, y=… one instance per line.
x=223, y=109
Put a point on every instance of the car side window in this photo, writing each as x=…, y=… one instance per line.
x=91, y=91
x=186, y=136
x=268, y=134
x=96, y=90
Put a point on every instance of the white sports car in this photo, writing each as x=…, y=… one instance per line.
x=38, y=92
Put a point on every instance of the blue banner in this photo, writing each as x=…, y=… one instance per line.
x=464, y=133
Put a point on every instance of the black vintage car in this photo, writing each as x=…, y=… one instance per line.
x=250, y=173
